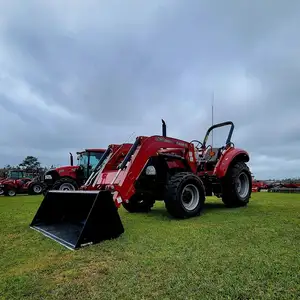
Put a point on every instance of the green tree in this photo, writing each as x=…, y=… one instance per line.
x=30, y=162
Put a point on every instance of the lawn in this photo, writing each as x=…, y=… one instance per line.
x=245, y=253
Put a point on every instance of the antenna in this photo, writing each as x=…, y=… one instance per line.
x=212, y=118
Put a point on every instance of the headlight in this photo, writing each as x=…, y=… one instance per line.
x=150, y=170
x=48, y=177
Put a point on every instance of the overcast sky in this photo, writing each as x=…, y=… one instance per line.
x=77, y=74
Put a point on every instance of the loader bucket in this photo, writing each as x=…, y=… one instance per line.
x=78, y=218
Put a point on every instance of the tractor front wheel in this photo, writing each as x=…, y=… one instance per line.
x=10, y=193
x=35, y=188
x=185, y=195
x=65, y=184
x=237, y=185
x=139, y=203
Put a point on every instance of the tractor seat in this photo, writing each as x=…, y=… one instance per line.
x=211, y=159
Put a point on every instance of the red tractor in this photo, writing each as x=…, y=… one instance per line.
x=20, y=182
x=1, y=190
x=136, y=175
x=259, y=185
x=70, y=178
x=291, y=185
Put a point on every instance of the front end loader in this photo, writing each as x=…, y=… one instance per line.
x=85, y=216
x=136, y=175
x=78, y=218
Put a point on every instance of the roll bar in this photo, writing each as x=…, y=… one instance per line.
x=228, y=123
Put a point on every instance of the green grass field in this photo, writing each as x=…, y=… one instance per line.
x=245, y=253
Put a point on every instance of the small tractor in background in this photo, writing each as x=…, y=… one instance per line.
x=258, y=185
x=179, y=172
x=21, y=182
x=70, y=178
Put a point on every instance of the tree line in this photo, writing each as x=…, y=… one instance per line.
x=29, y=164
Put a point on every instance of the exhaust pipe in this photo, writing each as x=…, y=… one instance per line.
x=71, y=159
x=164, y=128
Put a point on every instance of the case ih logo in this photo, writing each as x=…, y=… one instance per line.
x=162, y=139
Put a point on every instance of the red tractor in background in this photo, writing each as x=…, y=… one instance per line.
x=290, y=185
x=258, y=185
x=70, y=178
x=179, y=172
x=21, y=182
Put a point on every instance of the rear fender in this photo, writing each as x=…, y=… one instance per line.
x=228, y=158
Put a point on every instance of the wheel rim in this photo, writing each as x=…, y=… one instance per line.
x=243, y=185
x=37, y=189
x=190, y=197
x=11, y=192
x=67, y=187
x=1, y=192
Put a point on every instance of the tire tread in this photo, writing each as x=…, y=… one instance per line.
x=229, y=196
x=172, y=203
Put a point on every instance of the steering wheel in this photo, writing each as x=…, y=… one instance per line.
x=197, y=144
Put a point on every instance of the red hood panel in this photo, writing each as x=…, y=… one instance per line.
x=66, y=168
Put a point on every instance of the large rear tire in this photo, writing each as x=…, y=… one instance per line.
x=185, y=195
x=237, y=185
x=65, y=184
x=139, y=203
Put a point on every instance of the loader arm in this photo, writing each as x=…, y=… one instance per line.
x=122, y=183
x=108, y=160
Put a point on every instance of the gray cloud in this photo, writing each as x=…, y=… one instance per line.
x=92, y=73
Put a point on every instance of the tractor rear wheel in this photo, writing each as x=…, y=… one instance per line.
x=237, y=185
x=65, y=184
x=185, y=195
x=139, y=203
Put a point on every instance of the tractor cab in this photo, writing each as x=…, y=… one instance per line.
x=72, y=177
x=19, y=174
x=88, y=160
x=13, y=174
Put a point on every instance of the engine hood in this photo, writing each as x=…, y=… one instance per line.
x=63, y=169
x=8, y=180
